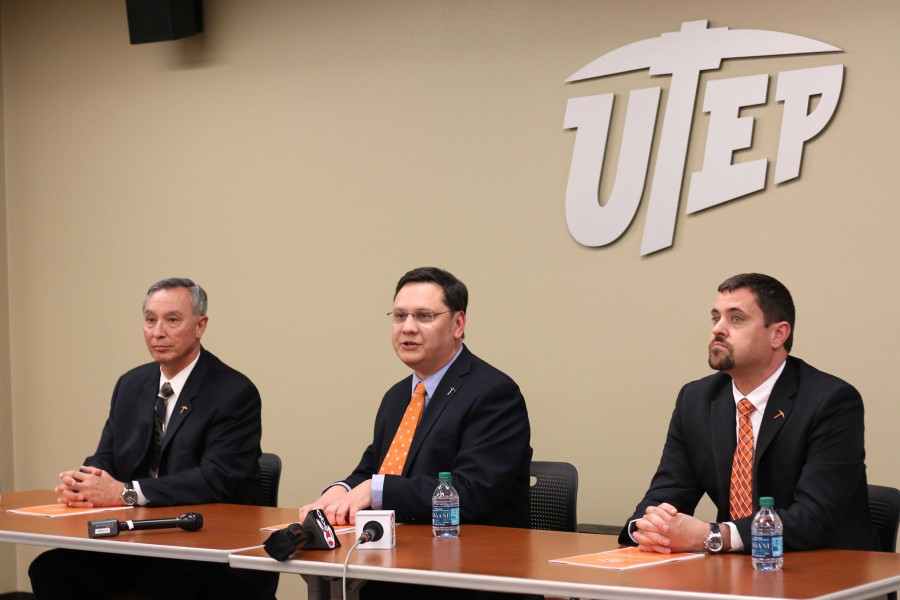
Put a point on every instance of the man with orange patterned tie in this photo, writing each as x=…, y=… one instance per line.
x=454, y=413
x=767, y=424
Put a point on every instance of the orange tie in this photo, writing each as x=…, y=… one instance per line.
x=742, y=467
x=397, y=453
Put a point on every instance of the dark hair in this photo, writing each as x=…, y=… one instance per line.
x=772, y=297
x=456, y=296
x=199, y=300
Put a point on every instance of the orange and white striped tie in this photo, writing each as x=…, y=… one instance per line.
x=742, y=467
x=395, y=458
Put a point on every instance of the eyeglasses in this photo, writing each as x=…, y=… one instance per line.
x=422, y=318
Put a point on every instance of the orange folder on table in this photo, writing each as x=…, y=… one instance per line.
x=61, y=510
x=338, y=529
x=624, y=558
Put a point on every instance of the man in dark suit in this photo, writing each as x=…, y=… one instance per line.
x=807, y=446
x=475, y=425
x=200, y=443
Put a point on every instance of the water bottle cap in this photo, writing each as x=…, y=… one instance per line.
x=766, y=501
x=444, y=476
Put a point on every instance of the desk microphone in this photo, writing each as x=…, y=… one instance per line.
x=375, y=529
x=372, y=532
x=316, y=533
x=112, y=527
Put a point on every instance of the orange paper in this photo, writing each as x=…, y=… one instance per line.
x=61, y=510
x=624, y=558
x=338, y=529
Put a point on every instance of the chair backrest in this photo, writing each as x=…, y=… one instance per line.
x=270, y=469
x=884, y=510
x=554, y=494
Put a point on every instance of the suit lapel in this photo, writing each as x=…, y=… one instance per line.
x=450, y=385
x=182, y=410
x=143, y=427
x=724, y=438
x=185, y=404
x=778, y=409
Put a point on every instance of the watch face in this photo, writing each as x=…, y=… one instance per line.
x=714, y=541
x=129, y=496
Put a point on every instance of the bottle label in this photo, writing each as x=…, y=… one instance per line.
x=445, y=516
x=768, y=546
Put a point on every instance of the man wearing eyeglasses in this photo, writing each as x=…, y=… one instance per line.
x=474, y=424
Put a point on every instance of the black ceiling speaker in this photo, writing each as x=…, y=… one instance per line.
x=161, y=20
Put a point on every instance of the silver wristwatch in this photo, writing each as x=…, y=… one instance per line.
x=129, y=494
x=714, y=542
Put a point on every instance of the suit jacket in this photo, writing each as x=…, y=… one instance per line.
x=810, y=457
x=211, y=448
x=475, y=426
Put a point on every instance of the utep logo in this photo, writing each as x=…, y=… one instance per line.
x=684, y=55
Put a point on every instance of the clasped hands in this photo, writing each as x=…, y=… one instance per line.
x=665, y=530
x=339, y=505
x=89, y=487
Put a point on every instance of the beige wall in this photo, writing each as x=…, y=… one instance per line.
x=298, y=157
x=7, y=552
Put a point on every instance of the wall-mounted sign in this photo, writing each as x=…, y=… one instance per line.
x=683, y=55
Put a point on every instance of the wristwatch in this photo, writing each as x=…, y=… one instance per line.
x=129, y=495
x=713, y=541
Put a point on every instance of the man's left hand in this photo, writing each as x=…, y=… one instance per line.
x=663, y=529
x=89, y=487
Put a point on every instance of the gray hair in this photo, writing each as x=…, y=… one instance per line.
x=199, y=301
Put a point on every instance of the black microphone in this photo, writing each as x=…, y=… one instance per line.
x=112, y=527
x=316, y=533
x=372, y=532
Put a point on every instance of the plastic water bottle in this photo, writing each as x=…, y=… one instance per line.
x=767, y=535
x=445, y=508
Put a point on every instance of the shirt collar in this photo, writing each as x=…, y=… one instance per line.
x=760, y=396
x=434, y=380
x=180, y=379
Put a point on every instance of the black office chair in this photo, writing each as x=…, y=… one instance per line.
x=884, y=510
x=554, y=495
x=270, y=468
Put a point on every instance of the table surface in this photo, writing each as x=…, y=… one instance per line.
x=489, y=558
x=518, y=560
x=226, y=528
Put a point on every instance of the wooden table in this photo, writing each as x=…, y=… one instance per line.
x=489, y=558
x=517, y=560
x=226, y=528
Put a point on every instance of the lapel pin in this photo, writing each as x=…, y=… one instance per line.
x=453, y=389
x=780, y=414
x=183, y=408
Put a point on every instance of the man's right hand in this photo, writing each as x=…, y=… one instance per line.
x=663, y=529
x=327, y=498
x=339, y=505
x=89, y=487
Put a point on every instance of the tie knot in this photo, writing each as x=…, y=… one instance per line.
x=420, y=389
x=166, y=390
x=745, y=407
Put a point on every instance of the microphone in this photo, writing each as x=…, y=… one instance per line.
x=375, y=529
x=112, y=527
x=316, y=533
x=372, y=532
